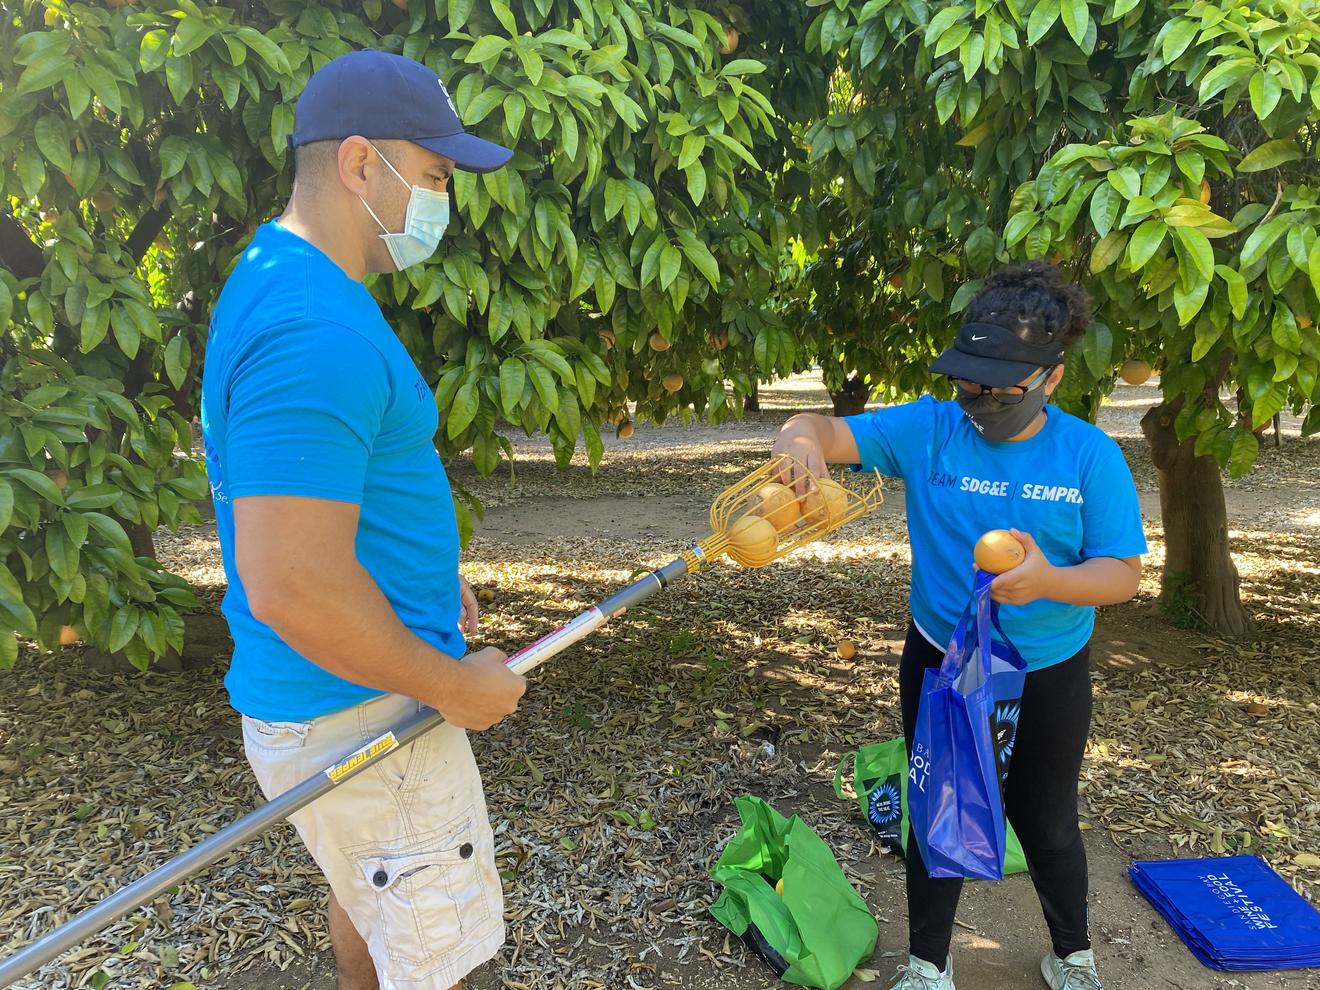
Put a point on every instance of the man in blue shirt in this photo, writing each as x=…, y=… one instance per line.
x=338, y=532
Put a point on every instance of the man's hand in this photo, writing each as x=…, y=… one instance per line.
x=1030, y=580
x=481, y=691
x=471, y=615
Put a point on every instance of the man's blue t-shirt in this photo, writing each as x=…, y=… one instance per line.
x=308, y=392
x=1068, y=486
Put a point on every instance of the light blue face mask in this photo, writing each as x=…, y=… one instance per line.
x=424, y=223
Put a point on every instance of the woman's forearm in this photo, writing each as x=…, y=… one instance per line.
x=1098, y=581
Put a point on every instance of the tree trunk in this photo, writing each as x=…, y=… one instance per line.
x=1200, y=581
x=141, y=539
x=852, y=398
x=753, y=401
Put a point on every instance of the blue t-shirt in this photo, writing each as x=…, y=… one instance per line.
x=1068, y=486
x=308, y=392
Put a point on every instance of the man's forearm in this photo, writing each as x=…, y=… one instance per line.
x=340, y=620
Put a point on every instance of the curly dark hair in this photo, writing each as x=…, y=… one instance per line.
x=1034, y=302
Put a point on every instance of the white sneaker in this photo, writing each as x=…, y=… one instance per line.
x=1077, y=972
x=921, y=975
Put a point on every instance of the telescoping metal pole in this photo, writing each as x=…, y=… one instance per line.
x=83, y=926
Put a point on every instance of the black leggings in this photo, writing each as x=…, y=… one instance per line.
x=1040, y=799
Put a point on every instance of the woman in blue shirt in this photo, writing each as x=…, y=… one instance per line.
x=999, y=457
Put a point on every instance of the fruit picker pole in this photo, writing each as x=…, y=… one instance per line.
x=83, y=926
x=736, y=505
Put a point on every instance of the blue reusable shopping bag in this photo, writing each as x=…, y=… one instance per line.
x=966, y=724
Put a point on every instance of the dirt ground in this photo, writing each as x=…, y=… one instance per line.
x=596, y=899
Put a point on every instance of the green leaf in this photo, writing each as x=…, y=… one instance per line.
x=513, y=379
x=123, y=627
x=265, y=49
x=459, y=12
x=173, y=155
x=53, y=142
x=1126, y=181
x=1177, y=39
x=693, y=146
x=1237, y=289
x=980, y=249
x=154, y=48
x=544, y=384
x=61, y=553
x=1019, y=226
x=1106, y=202
x=228, y=176
x=1224, y=75
x=1266, y=90
x=952, y=39
x=1271, y=154
x=6, y=505
x=1189, y=303
x=94, y=497
x=1244, y=451
x=700, y=256
x=1108, y=251
x=110, y=531
x=192, y=33
x=670, y=263
x=1207, y=335
x=179, y=77
x=488, y=47
x=1097, y=350
x=39, y=483
x=1037, y=244
x=592, y=441
x=1285, y=332
x=1076, y=18
x=8, y=649
x=743, y=67
x=463, y=410
x=1146, y=240
x=942, y=21
x=1043, y=16
x=1262, y=239
x=1313, y=267
x=1198, y=249
x=45, y=72
x=178, y=357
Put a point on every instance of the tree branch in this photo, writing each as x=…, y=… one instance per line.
x=147, y=229
x=18, y=252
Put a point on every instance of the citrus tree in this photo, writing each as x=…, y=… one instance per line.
x=1163, y=153
x=619, y=267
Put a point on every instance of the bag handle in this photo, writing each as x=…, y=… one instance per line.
x=838, y=772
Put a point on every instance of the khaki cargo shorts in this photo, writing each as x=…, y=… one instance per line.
x=406, y=844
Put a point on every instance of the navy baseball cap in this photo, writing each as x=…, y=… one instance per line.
x=994, y=356
x=390, y=98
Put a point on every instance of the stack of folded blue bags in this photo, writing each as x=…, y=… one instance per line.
x=1233, y=912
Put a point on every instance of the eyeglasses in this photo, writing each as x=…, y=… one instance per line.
x=1009, y=395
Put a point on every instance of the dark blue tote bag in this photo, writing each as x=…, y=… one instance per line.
x=966, y=724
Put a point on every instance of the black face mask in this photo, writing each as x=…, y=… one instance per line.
x=997, y=422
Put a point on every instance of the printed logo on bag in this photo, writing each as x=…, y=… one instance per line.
x=885, y=805
x=919, y=767
x=1239, y=902
x=1004, y=726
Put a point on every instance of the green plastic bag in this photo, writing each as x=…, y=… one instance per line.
x=820, y=929
x=880, y=780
